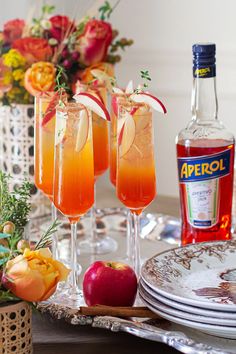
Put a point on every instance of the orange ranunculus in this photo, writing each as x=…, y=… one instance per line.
x=94, y=42
x=86, y=75
x=34, y=275
x=33, y=49
x=13, y=30
x=40, y=77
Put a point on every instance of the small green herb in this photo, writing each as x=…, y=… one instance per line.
x=48, y=9
x=145, y=75
x=61, y=79
x=46, y=239
x=106, y=10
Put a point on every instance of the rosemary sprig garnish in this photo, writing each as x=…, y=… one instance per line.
x=46, y=238
x=61, y=79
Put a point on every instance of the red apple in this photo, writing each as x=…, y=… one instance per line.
x=109, y=283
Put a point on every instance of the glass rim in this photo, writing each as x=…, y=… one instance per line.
x=72, y=106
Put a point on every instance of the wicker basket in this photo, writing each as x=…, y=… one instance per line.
x=17, y=147
x=16, y=329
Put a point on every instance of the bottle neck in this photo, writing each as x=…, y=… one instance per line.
x=204, y=100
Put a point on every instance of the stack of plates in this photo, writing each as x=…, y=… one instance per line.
x=194, y=286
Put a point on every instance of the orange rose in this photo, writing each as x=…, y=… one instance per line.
x=34, y=275
x=33, y=49
x=40, y=77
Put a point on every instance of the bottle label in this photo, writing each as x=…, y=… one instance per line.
x=204, y=71
x=200, y=176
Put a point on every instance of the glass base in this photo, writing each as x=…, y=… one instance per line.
x=103, y=245
x=68, y=297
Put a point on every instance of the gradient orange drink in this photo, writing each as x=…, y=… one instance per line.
x=74, y=165
x=45, y=115
x=136, y=178
x=100, y=136
x=113, y=137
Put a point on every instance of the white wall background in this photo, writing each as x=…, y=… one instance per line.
x=164, y=31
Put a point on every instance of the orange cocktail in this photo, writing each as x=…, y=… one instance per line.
x=113, y=137
x=136, y=178
x=74, y=171
x=73, y=174
x=100, y=136
x=45, y=116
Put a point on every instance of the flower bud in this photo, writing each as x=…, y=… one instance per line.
x=46, y=24
x=22, y=245
x=53, y=41
x=8, y=227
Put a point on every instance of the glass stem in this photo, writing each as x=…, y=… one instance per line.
x=74, y=281
x=135, y=245
x=128, y=235
x=93, y=236
x=55, y=235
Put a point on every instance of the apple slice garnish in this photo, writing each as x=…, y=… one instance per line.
x=93, y=103
x=83, y=130
x=126, y=135
x=103, y=78
x=60, y=128
x=51, y=109
x=152, y=101
x=130, y=87
x=118, y=91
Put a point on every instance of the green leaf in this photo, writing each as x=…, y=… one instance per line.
x=2, y=235
x=4, y=249
x=3, y=260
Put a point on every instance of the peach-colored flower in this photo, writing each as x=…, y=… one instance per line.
x=86, y=75
x=94, y=42
x=34, y=275
x=13, y=30
x=33, y=49
x=40, y=77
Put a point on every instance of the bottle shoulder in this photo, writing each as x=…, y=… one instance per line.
x=212, y=130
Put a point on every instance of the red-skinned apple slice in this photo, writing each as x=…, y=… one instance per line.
x=126, y=135
x=150, y=100
x=93, y=103
x=118, y=91
x=130, y=87
x=51, y=109
x=83, y=130
x=60, y=128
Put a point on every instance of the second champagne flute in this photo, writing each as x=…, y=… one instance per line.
x=73, y=177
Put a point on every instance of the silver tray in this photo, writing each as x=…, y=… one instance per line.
x=157, y=231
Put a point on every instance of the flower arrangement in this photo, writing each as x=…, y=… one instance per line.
x=32, y=53
x=25, y=274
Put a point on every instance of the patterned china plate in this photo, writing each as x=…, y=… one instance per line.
x=182, y=314
x=186, y=308
x=202, y=275
x=219, y=331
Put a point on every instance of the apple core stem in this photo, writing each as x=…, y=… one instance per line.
x=74, y=282
x=55, y=252
x=135, y=247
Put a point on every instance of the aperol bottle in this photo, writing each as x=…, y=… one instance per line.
x=205, y=153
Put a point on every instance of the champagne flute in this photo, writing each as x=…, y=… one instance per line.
x=98, y=244
x=73, y=191
x=136, y=179
x=44, y=123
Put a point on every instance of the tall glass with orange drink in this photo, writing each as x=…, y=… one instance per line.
x=136, y=178
x=97, y=244
x=73, y=174
x=45, y=118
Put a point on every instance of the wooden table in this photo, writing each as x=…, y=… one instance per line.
x=57, y=337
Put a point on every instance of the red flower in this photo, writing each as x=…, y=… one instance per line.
x=61, y=27
x=12, y=30
x=33, y=49
x=94, y=42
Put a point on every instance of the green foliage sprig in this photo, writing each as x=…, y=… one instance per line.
x=46, y=239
